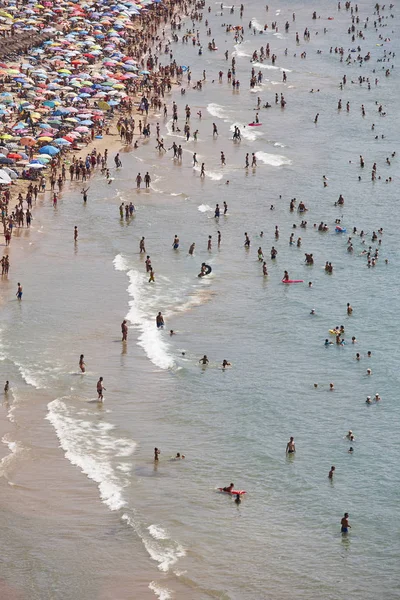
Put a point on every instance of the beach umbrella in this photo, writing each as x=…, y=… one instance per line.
x=4, y=177
x=36, y=166
x=11, y=173
x=50, y=150
x=61, y=142
x=14, y=155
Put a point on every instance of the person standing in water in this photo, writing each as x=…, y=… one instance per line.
x=84, y=194
x=160, y=321
x=345, y=526
x=124, y=329
x=100, y=390
x=19, y=291
x=191, y=249
x=290, y=446
x=75, y=233
x=175, y=243
x=157, y=452
x=82, y=365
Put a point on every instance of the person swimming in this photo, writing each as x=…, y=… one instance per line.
x=229, y=488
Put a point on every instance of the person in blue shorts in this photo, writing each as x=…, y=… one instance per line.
x=345, y=523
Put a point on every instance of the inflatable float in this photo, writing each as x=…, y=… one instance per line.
x=233, y=492
x=255, y=124
x=292, y=280
x=340, y=229
x=208, y=270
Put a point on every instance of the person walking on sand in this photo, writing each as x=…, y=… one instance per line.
x=124, y=329
x=82, y=363
x=100, y=390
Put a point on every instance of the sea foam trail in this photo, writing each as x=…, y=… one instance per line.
x=259, y=65
x=274, y=160
x=160, y=592
x=160, y=546
x=100, y=455
x=239, y=51
x=150, y=338
x=257, y=25
x=90, y=447
x=216, y=110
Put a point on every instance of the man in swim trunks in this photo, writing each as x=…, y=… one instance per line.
x=345, y=523
x=160, y=321
x=204, y=360
x=290, y=447
x=19, y=292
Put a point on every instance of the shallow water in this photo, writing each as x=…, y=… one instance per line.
x=184, y=539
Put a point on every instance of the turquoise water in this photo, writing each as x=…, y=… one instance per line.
x=233, y=425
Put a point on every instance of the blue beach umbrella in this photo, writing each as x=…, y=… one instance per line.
x=51, y=150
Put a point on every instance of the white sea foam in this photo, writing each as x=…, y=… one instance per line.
x=211, y=174
x=204, y=208
x=248, y=133
x=29, y=377
x=173, y=133
x=160, y=592
x=239, y=51
x=279, y=145
x=216, y=110
x=257, y=25
x=141, y=316
x=274, y=160
x=15, y=448
x=157, y=532
x=165, y=550
x=89, y=446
